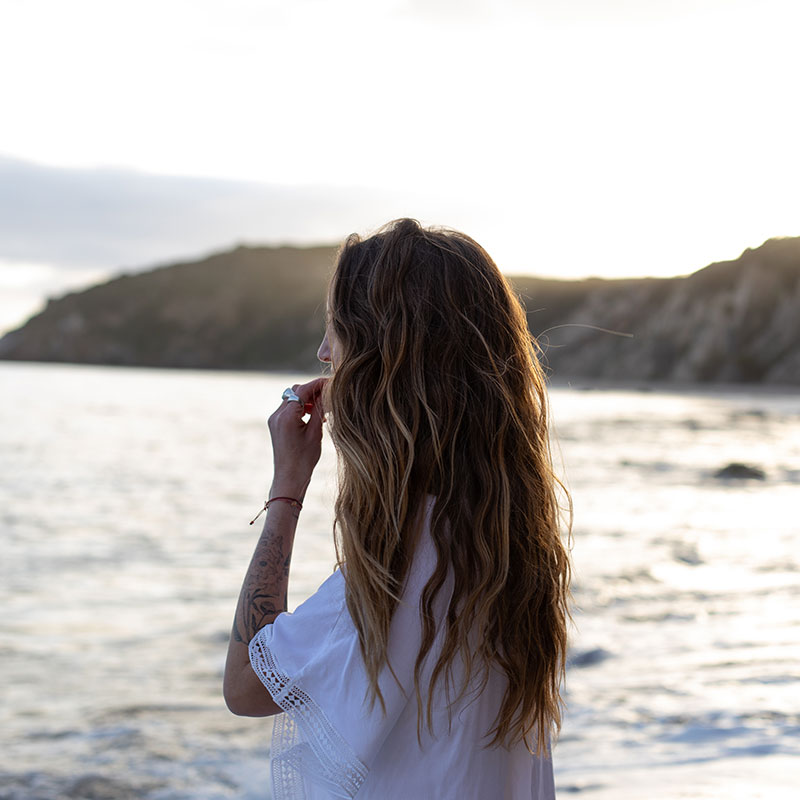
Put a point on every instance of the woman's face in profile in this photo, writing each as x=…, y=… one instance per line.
x=329, y=349
x=326, y=350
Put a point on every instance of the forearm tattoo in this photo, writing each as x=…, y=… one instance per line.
x=265, y=590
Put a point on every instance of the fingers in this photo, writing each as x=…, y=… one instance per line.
x=314, y=424
x=308, y=392
x=311, y=395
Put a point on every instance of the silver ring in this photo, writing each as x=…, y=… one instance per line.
x=291, y=396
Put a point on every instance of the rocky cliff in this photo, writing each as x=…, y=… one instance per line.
x=263, y=308
x=734, y=321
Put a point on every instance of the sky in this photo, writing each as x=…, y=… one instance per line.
x=570, y=137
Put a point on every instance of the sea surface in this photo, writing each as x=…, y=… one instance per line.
x=124, y=507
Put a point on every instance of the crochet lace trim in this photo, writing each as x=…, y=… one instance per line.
x=304, y=743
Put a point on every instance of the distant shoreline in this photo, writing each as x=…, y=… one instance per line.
x=575, y=384
x=256, y=308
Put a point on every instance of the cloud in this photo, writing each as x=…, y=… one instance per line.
x=62, y=229
x=113, y=218
x=569, y=11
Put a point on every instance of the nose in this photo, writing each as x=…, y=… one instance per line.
x=324, y=352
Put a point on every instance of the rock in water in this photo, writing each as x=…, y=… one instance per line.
x=739, y=471
x=588, y=658
x=686, y=552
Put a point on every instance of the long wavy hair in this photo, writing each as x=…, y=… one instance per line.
x=438, y=391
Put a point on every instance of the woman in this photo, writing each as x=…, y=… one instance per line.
x=429, y=664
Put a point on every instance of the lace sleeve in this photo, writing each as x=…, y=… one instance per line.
x=304, y=743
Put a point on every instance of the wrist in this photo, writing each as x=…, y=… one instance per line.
x=288, y=488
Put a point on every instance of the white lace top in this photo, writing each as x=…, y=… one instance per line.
x=329, y=744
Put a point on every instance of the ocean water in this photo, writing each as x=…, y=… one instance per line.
x=124, y=507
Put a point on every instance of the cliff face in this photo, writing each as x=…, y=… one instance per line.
x=263, y=308
x=736, y=321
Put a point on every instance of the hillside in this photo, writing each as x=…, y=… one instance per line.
x=263, y=308
x=249, y=308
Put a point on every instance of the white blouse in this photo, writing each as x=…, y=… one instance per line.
x=328, y=743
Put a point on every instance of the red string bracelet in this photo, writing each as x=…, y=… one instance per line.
x=290, y=500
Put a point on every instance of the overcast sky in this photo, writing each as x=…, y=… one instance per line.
x=570, y=137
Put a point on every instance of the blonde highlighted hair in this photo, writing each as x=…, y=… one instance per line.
x=438, y=391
